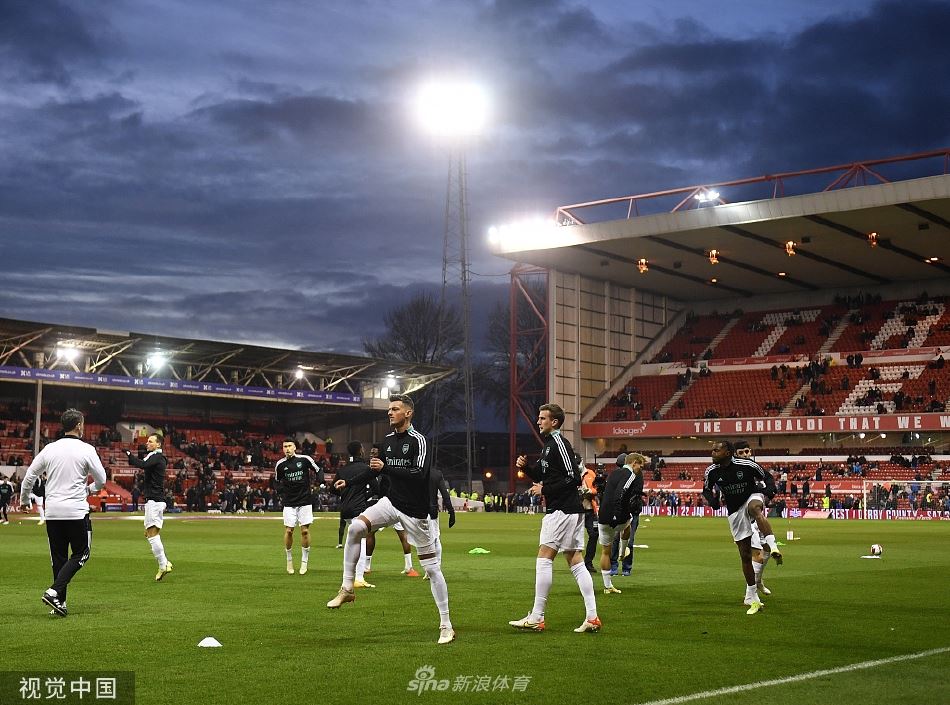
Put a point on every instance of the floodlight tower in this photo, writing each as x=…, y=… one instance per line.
x=455, y=112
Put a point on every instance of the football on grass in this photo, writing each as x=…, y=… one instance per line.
x=876, y=549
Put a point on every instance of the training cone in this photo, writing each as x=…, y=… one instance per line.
x=209, y=641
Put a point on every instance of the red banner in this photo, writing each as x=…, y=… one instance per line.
x=884, y=514
x=890, y=514
x=837, y=486
x=766, y=426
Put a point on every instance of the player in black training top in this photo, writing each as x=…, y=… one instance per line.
x=558, y=479
x=740, y=482
x=294, y=477
x=405, y=460
x=620, y=506
x=6, y=494
x=356, y=482
x=153, y=467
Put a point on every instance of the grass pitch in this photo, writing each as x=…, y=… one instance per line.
x=679, y=627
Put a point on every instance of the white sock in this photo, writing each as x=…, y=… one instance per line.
x=158, y=550
x=770, y=541
x=369, y=563
x=751, y=593
x=608, y=583
x=407, y=560
x=440, y=591
x=543, y=577
x=586, y=584
x=351, y=552
x=305, y=554
x=42, y=512
x=757, y=568
x=361, y=563
x=290, y=554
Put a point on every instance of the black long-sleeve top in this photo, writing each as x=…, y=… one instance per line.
x=558, y=475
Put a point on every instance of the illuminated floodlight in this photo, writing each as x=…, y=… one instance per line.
x=298, y=373
x=452, y=108
x=872, y=239
x=67, y=352
x=714, y=257
x=156, y=361
x=643, y=266
x=705, y=196
x=790, y=248
x=488, y=474
x=530, y=233
x=390, y=382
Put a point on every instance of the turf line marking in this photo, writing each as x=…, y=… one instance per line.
x=794, y=679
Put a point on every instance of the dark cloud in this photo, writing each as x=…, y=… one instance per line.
x=550, y=21
x=238, y=176
x=43, y=41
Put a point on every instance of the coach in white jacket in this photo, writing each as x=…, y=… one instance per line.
x=68, y=463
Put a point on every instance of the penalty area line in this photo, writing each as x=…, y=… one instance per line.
x=795, y=679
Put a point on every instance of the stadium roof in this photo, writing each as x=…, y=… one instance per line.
x=829, y=226
x=123, y=352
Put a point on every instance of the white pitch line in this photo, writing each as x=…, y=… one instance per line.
x=794, y=679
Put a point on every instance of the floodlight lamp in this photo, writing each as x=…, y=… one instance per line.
x=705, y=196
x=452, y=108
x=155, y=361
x=883, y=435
x=390, y=382
x=643, y=266
x=790, y=248
x=488, y=474
x=298, y=373
x=714, y=257
x=67, y=352
x=872, y=239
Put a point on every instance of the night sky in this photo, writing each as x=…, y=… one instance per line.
x=249, y=171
